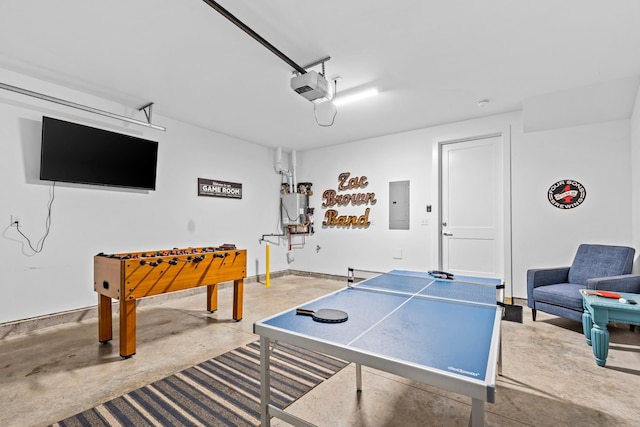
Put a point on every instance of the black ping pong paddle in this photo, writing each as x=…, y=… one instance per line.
x=441, y=274
x=324, y=315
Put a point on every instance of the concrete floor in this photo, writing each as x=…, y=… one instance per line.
x=549, y=375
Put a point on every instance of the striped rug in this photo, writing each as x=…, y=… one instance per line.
x=223, y=391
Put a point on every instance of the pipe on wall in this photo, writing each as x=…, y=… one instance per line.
x=293, y=172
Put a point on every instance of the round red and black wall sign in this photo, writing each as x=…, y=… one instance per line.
x=567, y=194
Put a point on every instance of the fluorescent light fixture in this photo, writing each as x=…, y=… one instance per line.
x=341, y=100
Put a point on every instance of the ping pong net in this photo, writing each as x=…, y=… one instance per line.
x=474, y=290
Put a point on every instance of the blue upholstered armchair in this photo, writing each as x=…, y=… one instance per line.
x=557, y=290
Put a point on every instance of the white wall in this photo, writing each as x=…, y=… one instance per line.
x=403, y=156
x=596, y=155
x=87, y=220
x=635, y=177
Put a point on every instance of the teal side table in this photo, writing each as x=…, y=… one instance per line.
x=599, y=311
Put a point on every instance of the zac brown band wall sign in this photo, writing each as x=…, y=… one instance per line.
x=332, y=198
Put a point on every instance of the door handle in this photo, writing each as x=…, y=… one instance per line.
x=447, y=234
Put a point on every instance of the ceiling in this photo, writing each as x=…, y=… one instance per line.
x=432, y=61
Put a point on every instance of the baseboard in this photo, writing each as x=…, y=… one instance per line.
x=315, y=275
x=516, y=301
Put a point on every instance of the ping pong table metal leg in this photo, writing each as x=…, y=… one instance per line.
x=477, y=413
x=358, y=377
x=500, y=354
x=265, y=382
x=288, y=418
x=267, y=410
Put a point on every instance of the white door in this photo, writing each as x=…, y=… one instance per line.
x=471, y=207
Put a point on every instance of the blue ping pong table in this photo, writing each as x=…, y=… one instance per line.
x=444, y=333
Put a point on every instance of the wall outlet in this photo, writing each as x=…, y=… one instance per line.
x=15, y=220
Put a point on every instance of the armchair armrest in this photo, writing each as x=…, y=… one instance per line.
x=544, y=276
x=547, y=276
x=623, y=283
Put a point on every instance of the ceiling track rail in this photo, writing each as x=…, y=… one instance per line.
x=146, y=108
x=224, y=12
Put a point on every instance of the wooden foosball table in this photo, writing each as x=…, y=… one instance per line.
x=130, y=276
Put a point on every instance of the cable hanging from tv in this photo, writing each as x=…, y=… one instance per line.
x=147, y=109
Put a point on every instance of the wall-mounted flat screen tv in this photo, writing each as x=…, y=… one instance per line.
x=82, y=154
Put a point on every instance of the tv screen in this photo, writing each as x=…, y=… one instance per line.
x=81, y=154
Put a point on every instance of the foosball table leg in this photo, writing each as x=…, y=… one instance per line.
x=238, y=289
x=212, y=298
x=105, y=331
x=127, y=328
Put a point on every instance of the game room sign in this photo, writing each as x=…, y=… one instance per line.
x=211, y=188
x=335, y=198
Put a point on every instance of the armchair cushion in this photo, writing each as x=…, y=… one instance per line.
x=600, y=261
x=562, y=294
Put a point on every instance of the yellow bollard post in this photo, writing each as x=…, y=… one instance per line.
x=268, y=264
